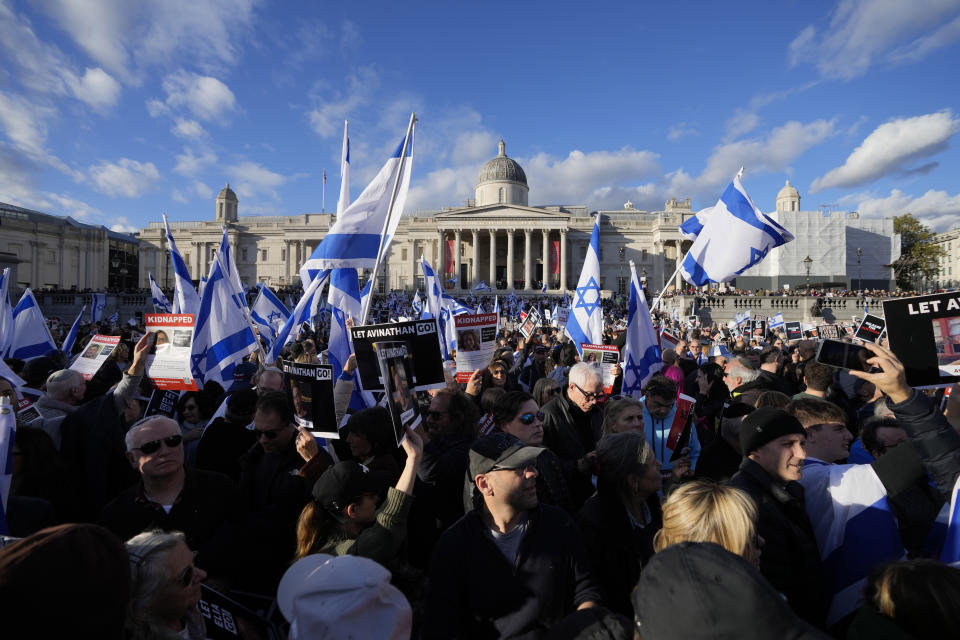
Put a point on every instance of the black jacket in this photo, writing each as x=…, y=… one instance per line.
x=933, y=438
x=789, y=559
x=222, y=445
x=476, y=593
x=571, y=434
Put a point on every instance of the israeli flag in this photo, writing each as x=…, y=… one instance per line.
x=317, y=305
x=736, y=236
x=496, y=311
x=417, y=303
x=290, y=329
x=692, y=227
x=544, y=289
x=951, y=546
x=8, y=431
x=345, y=302
x=31, y=338
x=366, y=294
x=436, y=309
x=585, y=324
x=160, y=302
x=268, y=313
x=479, y=309
x=6, y=313
x=456, y=307
x=641, y=351
x=777, y=321
x=201, y=285
x=223, y=337
x=185, y=298
x=67, y=345
x=362, y=233
x=553, y=315
x=98, y=304
x=675, y=314
x=482, y=286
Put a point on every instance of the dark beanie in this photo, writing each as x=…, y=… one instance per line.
x=766, y=424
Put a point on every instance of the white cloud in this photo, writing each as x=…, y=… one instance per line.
x=252, y=179
x=890, y=147
x=188, y=129
x=177, y=196
x=681, y=130
x=97, y=89
x=205, y=97
x=588, y=177
x=77, y=209
x=126, y=177
x=937, y=209
x=863, y=32
x=190, y=164
x=123, y=226
x=24, y=123
x=327, y=118
x=741, y=123
x=202, y=190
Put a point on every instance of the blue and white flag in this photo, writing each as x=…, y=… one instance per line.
x=201, y=285
x=268, y=313
x=362, y=233
x=417, y=303
x=160, y=302
x=344, y=200
x=777, y=321
x=482, y=286
x=223, y=336
x=951, y=546
x=544, y=289
x=98, y=302
x=185, y=298
x=345, y=302
x=71, y=338
x=479, y=309
x=366, y=293
x=736, y=236
x=6, y=313
x=585, y=324
x=456, y=307
x=8, y=432
x=692, y=227
x=290, y=329
x=114, y=319
x=31, y=338
x=641, y=351
x=435, y=307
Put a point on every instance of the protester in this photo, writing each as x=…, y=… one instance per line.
x=545, y=390
x=660, y=405
x=370, y=437
x=227, y=438
x=622, y=414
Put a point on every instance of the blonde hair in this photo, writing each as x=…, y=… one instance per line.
x=703, y=511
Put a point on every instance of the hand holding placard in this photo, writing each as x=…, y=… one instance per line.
x=892, y=379
x=140, y=352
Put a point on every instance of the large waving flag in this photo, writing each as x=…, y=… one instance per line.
x=31, y=338
x=641, y=352
x=185, y=298
x=777, y=321
x=268, y=313
x=456, y=307
x=437, y=309
x=71, y=338
x=160, y=302
x=98, y=302
x=223, y=337
x=585, y=323
x=736, y=236
x=6, y=313
x=301, y=313
x=692, y=227
x=8, y=431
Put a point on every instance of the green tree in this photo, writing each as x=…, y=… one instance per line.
x=919, y=257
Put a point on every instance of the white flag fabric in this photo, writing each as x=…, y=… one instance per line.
x=98, y=302
x=641, y=351
x=6, y=313
x=223, y=336
x=290, y=329
x=436, y=309
x=585, y=323
x=8, y=430
x=268, y=313
x=417, y=303
x=185, y=298
x=71, y=338
x=777, y=321
x=736, y=236
x=160, y=302
x=31, y=338
x=692, y=227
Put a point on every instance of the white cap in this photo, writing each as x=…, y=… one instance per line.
x=333, y=597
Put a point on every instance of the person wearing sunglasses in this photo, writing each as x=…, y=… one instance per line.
x=164, y=587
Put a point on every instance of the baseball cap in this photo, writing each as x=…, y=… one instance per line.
x=325, y=596
x=343, y=482
x=500, y=451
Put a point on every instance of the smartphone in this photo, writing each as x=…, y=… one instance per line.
x=844, y=355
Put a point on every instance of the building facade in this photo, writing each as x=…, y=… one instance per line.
x=948, y=272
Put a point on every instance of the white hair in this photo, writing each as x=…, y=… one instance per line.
x=131, y=437
x=61, y=383
x=582, y=373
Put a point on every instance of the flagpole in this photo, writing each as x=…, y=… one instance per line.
x=664, y=290
x=383, y=233
x=323, y=193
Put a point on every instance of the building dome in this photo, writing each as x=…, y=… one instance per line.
x=788, y=198
x=227, y=205
x=502, y=169
x=227, y=193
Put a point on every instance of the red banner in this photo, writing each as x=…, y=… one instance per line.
x=554, y=257
x=448, y=268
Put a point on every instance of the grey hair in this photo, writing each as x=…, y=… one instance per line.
x=146, y=550
x=60, y=383
x=130, y=438
x=740, y=370
x=582, y=372
x=620, y=455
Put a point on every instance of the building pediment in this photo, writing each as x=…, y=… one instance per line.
x=502, y=214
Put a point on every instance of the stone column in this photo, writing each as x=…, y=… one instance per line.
x=438, y=257
x=286, y=269
x=62, y=260
x=509, y=258
x=493, y=259
x=197, y=264
x=413, y=264
x=563, y=260
x=476, y=258
x=679, y=279
x=456, y=259
x=527, y=259
x=546, y=257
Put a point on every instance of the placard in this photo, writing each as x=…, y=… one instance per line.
x=924, y=333
x=310, y=392
x=667, y=340
x=758, y=327
x=168, y=363
x=162, y=402
x=870, y=329
x=693, y=320
x=396, y=368
x=604, y=356
x=476, y=342
x=227, y=619
x=530, y=323
x=829, y=331
x=27, y=412
x=423, y=341
x=94, y=355
x=563, y=314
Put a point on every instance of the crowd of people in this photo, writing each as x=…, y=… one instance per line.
x=749, y=491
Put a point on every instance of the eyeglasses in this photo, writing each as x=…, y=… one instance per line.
x=590, y=396
x=153, y=446
x=528, y=418
x=270, y=435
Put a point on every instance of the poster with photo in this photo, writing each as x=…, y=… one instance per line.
x=870, y=329
x=924, y=333
x=829, y=331
x=423, y=341
x=94, y=355
x=693, y=321
x=168, y=363
x=476, y=342
x=667, y=340
x=758, y=327
x=563, y=314
x=27, y=413
x=396, y=368
x=604, y=356
x=530, y=323
x=310, y=392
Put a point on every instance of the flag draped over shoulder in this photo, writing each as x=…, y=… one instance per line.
x=735, y=236
x=31, y=338
x=71, y=338
x=268, y=313
x=6, y=313
x=585, y=323
x=641, y=351
x=185, y=298
x=160, y=302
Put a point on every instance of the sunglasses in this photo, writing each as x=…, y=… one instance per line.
x=528, y=418
x=270, y=435
x=154, y=445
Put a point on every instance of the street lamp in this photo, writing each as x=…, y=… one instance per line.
x=859, y=269
x=620, y=253
x=806, y=263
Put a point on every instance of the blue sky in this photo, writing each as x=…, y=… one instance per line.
x=113, y=111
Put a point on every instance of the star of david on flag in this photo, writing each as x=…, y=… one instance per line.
x=585, y=324
x=641, y=351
